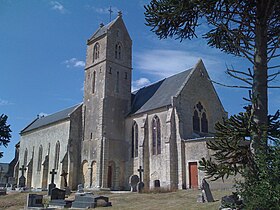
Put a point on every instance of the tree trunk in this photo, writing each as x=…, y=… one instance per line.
x=260, y=99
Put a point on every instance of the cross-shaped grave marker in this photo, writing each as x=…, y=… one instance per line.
x=22, y=169
x=53, y=173
x=140, y=170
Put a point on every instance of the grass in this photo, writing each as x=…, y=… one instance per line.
x=179, y=200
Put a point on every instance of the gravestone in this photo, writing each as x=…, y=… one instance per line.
x=206, y=191
x=3, y=191
x=140, y=186
x=22, y=179
x=58, y=199
x=34, y=200
x=88, y=200
x=80, y=188
x=133, y=181
x=52, y=185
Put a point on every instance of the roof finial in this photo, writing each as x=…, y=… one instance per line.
x=110, y=11
x=101, y=25
x=119, y=13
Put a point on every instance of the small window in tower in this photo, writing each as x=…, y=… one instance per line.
x=118, y=51
x=100, y=70
x=117, y=82
x=110, y=70
x=125, y=76
x=93, y=82
x=96, y=50
x=90, y=135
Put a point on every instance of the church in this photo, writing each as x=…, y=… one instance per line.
x=161, y=129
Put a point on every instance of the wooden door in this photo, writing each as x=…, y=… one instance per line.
x=193, y=175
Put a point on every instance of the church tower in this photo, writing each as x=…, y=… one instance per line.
x=107, y=99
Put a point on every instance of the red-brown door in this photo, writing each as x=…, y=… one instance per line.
x=193, y=175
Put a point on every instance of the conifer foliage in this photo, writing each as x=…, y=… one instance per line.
x=5, y=132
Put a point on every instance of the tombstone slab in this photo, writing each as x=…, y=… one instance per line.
x=88, y=200
x=58, y=199
x=140, y=186
x=34, y=200
x=51, y=187
x=206, y=191
x=80, y=188
x=133, y=181
x=22, y=181
x=3, y=191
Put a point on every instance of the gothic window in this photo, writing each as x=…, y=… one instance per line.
x=93, y=81
x=156, y=136
x=125, y=75
x=134, y=140
x=118, y=51
x=117, y=82
x=56, y=156
x=204, y=123
x=200, y=122
x=25, y=157
x=40, y=154
x=96, y=50
x=196, y=123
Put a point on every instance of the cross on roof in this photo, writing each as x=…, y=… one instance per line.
x=140, y=170
x=110, y=11
x=22, y=169
x=53, y=172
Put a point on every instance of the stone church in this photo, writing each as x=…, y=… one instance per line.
x=162, y=128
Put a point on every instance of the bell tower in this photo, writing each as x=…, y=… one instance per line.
x=107, y=99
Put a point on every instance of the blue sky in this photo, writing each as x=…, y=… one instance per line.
x=43, y=48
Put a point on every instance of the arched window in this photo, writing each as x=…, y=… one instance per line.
x=96, y=50
x=40, y=154
x=200, y=122
x=117, y=88
x=196, y=126
x=56, y=157
x=25, y=157
x=118, y=51
x=204, y=123
x=134, y=148
x=156, y=136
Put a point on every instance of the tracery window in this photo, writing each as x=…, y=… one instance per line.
x=156, y=136
x=134, y=149
x=40, y=154
x=200, y=122
x=96, y=50
x=56, y=157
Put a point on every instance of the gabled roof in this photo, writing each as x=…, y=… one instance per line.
x=102, y=30
x=42, y=121
x=158, y=94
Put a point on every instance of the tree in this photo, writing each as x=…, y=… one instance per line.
x=245, y=28
x=4, y=132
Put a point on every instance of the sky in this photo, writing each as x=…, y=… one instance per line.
x=43, y=49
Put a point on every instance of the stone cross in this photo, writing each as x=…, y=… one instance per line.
x=140, y=170
x=22, y=169
x=110, y=11
x=64, y=175
x=53, y=173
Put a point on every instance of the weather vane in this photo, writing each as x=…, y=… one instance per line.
x=110, y=11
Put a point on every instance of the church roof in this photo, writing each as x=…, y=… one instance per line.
x=102, y=30
x=49, y=119
x=158, y=94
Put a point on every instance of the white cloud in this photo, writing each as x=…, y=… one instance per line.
x=74, y=62
x=137, y=84
x=58, y=7
x=4, y=102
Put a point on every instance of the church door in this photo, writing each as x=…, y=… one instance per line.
x=193, y=175
x=109, y=180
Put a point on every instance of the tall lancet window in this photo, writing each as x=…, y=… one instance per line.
x=40, y=154
x=196, y=123
x=56, y=156
x=117, y=88
x=134, y=149
x=93, y=82
x=25, y=158
x=96, y=50
x=156, y=136
x=204, y=123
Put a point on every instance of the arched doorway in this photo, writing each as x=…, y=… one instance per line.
x=111, y=174
x=93, y=174
x=86, y=174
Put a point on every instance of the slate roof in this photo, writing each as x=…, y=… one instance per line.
x=102, y=30
x=42, y=121
x=158, y=94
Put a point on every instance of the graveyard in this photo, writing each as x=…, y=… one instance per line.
x=182, y=199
